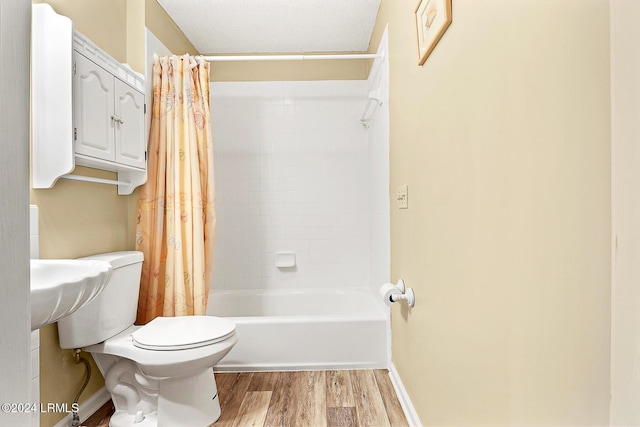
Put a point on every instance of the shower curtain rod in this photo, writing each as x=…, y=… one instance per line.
x=292, y=57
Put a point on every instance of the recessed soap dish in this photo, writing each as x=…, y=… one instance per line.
x=285, y=259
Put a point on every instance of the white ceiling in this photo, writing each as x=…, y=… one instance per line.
x=292, y=26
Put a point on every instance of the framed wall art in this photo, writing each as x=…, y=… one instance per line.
x=433, y=17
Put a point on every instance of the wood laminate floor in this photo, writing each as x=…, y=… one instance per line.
x=300, y=399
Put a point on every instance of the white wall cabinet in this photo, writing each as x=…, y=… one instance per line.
x=108, y=116
x=88, y=109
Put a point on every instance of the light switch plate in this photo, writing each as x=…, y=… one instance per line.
x=403, y=197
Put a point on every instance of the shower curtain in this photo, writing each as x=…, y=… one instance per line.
x=176, y=209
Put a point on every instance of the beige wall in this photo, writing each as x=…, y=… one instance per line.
x=104, y=22
x=503, y=138
x=241, y=71
x=136, y=33
x=77, y=218
x=163, y=27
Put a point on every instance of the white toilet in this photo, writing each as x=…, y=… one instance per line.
x=159, y=374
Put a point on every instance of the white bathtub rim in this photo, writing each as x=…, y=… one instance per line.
x=365, y=306
x=287, y=291
x=334, y=318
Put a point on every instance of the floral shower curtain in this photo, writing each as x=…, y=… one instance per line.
x=176, y=209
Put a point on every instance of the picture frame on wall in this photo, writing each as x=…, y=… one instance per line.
x=433, y=17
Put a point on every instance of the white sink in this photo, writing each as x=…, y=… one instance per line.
x=61, y=286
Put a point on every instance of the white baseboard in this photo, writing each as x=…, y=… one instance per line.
x=88, y=407
x=403, y=397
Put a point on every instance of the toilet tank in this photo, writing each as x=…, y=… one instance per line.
x=113, y=310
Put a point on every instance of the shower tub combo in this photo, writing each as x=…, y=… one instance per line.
x=298, y=176
x=303, y=329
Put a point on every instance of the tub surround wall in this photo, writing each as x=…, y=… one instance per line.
x=378, y=141
x=292, y=174
x=503, y=138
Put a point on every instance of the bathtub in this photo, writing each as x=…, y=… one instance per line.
x=311, y=329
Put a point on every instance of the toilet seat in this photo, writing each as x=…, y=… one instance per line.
x=182, y=333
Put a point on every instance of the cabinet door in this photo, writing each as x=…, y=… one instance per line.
x=130, y=141
x=93, y=109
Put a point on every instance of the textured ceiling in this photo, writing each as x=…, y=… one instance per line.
x=251, y=26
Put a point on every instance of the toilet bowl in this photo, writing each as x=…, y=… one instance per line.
x=159, y=374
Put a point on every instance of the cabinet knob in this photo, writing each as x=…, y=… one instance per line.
x=117, y=119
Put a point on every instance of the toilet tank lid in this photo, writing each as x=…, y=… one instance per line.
x=118, y=259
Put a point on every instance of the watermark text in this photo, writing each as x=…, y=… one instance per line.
x=39, y=407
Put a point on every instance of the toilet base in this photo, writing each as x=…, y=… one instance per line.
x=188, y=401
x=181, y=402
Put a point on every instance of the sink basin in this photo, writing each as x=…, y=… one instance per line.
x=61, y=286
